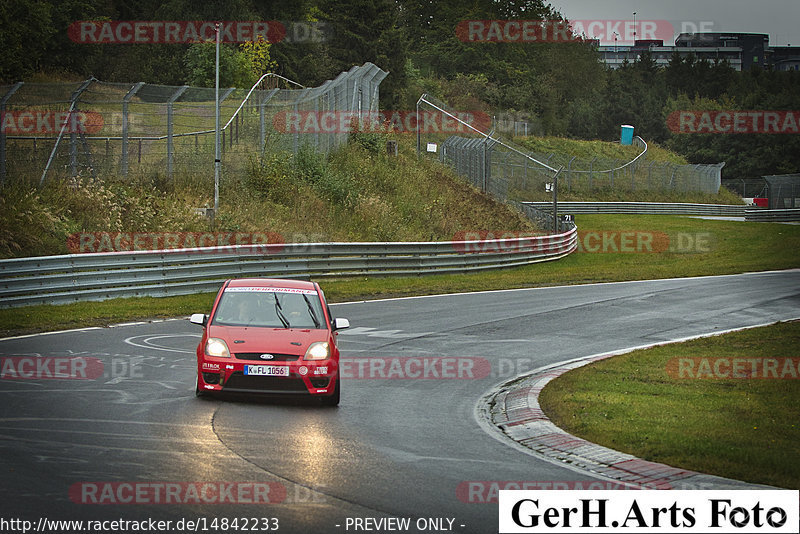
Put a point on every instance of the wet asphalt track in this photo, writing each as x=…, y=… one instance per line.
x=395, y=447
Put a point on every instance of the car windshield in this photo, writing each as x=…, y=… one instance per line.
x=269, y=307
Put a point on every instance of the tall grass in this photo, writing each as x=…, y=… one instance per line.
x=357, y=193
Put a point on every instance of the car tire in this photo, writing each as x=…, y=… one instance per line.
x=333, y=400
x=197, y=391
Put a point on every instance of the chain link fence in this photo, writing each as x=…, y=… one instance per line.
x=783, y=191
x=483, y=159
x=56, y=131
x=509, y=171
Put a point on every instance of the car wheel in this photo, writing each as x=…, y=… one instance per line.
x=333, y=400
x=197, y=391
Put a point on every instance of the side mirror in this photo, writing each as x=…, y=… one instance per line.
x=340, y=323
x=199, y=318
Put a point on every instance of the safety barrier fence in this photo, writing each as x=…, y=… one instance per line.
x=763, y=215
x=99, y=276
x=510, y=171
x=646, y=208
x=59, y=130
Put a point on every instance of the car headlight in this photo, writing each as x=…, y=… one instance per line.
x=217, y=348
x=319, y=350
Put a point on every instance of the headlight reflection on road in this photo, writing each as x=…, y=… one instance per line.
x=314, y=450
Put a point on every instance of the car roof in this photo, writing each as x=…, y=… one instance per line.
x=272, y=282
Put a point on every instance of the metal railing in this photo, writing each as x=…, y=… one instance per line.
x=764, y=215
x=646, y=208
x=99, y=276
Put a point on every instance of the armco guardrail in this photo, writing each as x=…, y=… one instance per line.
x=772, y=215
x=645, y=208
x=99, y=276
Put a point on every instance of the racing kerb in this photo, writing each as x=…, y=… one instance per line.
x=105, y=275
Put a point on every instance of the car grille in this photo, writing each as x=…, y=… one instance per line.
x=275, y=357
x=265, y=383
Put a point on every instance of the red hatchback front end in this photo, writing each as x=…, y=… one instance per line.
x=269, y=336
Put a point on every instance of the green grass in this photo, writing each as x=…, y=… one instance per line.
x=728, y=247
x=651, y=178
x=597, y=149
x=745, y=429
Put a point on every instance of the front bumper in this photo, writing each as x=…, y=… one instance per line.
x=305, y=378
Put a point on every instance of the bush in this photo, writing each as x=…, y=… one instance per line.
x=271, y=178
x=338, y=188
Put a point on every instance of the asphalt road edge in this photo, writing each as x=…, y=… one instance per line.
x=511, y=413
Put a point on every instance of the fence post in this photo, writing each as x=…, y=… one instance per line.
x=569, y=173
x=170, y=151
x=125, y=101
x=262, y=118
x=74, y=102
x=73, y=155
x=3, y=135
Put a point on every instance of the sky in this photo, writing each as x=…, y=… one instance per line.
x=780, y=19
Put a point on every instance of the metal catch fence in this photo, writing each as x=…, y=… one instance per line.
x=510, y=171
x=68, y=129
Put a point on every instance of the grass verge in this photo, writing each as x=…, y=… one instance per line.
x=718, y=247
x=740, y=428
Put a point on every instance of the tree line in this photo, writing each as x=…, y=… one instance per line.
x=562, y=88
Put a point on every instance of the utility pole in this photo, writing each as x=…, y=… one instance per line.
x=216, y=136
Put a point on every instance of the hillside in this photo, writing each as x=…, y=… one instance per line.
x=611, y=154
x=355, y=194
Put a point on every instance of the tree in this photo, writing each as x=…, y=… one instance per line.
x=368, y=30
x=235, y=67
x=258, y=54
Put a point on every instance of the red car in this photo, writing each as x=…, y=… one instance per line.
x=270, y=336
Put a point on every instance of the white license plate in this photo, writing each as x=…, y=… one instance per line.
x=266, y=370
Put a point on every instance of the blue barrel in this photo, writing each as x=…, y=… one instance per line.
x=626, y=138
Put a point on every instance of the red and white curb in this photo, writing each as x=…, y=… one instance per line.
x=513, y=409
